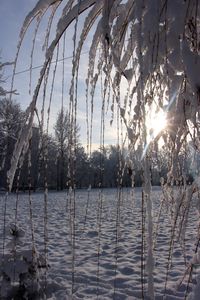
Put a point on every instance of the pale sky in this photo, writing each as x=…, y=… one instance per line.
x=12, y=14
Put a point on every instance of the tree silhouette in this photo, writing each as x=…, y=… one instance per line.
x=11, y=120
x=63, y=136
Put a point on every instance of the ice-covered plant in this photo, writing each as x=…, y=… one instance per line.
x=20, y=270
x=153, y=48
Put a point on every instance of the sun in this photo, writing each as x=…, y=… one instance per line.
x=156, y=121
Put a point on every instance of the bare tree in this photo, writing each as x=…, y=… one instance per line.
x=4, y=92
x=64, y=139
x=11, y=119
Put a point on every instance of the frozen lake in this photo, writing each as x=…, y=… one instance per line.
x=96, y=249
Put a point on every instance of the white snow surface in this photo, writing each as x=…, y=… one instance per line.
x=119, y=265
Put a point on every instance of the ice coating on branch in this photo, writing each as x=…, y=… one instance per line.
x=46, y=41
x=89, y=21
x=150, y=255
x=151, y=19
x=123, y=13
x=39, y=9
x=90, y=74
x=92, y=52
x=107, y=7
x=175, y=60
x=32, y=51
x=191, y=63
x=128, y=54
x=67, y=7
x=128, y=73
x=66, y=20
x=21, y=145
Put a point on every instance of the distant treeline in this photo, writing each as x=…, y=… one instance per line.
x=48, y=160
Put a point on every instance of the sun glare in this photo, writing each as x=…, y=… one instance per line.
x=156, y=122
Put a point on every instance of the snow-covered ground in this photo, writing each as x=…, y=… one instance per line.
x=86, y=253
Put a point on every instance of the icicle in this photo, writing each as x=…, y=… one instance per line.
x=46, y=41
x=89, y=21
x=21, y=144
x=105, y=23
x=119, y=33
x=39, y=9
x=90, y=75
x=150, y=256
x=67, y=7
x=30, y=199
x=192, y=65
x=51, y=91
x=32, y=51
x=66, y=20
